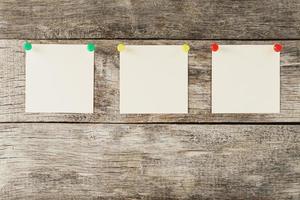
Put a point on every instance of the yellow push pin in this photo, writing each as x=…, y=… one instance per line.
x=186, y=48
x=121, y=47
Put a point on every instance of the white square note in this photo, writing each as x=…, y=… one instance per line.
x=153, y=79
x=246, y=79
x=59, y=78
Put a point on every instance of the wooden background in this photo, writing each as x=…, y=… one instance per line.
x=106, y=155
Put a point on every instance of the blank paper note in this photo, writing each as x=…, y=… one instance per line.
x=153, y=79
x=246, y=79
x=59, y=78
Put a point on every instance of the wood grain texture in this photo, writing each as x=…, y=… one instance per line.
x=83, y=161
x=168, y=19
x=106, y=101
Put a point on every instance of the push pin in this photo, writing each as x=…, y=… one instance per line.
x=27, y=46
x=185, y=48
x=91, y=47
x=277, y=47
x=121, y=47
x=214, y=47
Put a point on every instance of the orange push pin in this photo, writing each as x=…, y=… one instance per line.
x=214, y=47
x=277, y=47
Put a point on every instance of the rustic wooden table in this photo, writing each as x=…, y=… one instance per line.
x=106, y=155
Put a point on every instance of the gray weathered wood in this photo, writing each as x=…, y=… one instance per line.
x=148, y=161
x=84, y=161
x=106, y=102
x=168, y=19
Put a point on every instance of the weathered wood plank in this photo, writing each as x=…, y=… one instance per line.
x=168, y=19
x=106, y=103
x=84, y=161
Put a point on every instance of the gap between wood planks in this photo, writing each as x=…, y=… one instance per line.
x=151, y=123
x=143, y=39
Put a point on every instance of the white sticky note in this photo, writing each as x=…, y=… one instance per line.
x=153, y=79
x=246, y=79
x=59, y=78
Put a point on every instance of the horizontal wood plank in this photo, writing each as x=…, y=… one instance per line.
x=84, y=161
x=168, y=19
x=106, y=101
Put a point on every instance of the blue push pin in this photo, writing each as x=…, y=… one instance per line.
x=91, y=47
x=27, y=46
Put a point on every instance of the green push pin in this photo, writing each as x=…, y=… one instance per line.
x=27, y=46
x=91, y=47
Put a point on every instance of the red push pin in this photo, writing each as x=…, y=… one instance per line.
x=214, y=47
x=277, y=47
